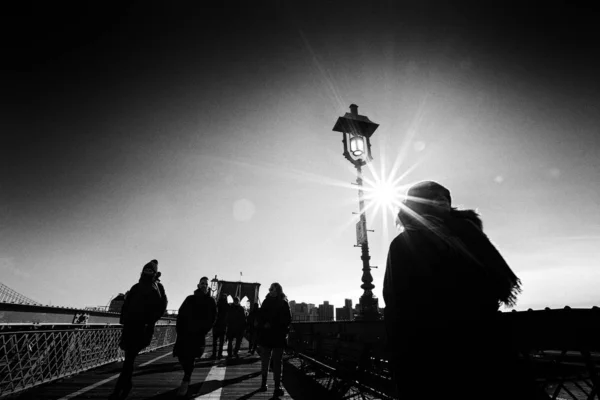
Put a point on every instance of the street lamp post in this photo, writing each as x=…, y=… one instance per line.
x=356, y=133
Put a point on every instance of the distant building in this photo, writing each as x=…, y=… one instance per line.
x=117, y=303
x=340, y=313
x=313, y=315
x=300, y=311
x=325, y=311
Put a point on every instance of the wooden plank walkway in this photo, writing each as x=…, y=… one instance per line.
x=157, y=376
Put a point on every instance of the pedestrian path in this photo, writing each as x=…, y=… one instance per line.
x=157, y=376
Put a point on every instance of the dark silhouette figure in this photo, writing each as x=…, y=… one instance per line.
x=220, y=327
x=196, y=317
x=251, y=328
x=144, y=304
x=443, y=286
x=274, y=321
x=236, y=322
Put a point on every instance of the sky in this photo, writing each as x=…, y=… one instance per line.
x=202, y=137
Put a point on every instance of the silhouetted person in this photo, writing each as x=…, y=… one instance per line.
x=443, y=286
x=196, y=317
x=274, y=321
x=236, y=323
x=144, y=304
x=251, y=328
x=220, y=327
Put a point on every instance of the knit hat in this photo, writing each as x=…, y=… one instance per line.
x=427, y=190
x=152, y=264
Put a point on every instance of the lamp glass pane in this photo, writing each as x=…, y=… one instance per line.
x=357, y=145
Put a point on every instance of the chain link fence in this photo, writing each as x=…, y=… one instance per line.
x=32, y=354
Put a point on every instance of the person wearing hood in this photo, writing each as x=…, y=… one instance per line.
x=144, y=304
x=274, y=321
x=195, y=319
x=236, y=323
x=444, y=284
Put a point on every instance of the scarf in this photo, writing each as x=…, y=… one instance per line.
x=460, y=234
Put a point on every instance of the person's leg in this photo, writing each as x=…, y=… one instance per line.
x=251, y=341
x=265, y=358
x=277, y=368
x=238, y=343
x=221, y=342
x=124, y=383
x=229, y=345
x=214, y=344
x=187, y=363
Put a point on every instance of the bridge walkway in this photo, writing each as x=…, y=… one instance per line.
x=157, y=376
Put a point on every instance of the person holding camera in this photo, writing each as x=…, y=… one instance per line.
x=144, y=304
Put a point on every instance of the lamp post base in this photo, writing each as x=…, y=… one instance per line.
x=369, y=310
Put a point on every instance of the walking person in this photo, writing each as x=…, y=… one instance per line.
x=196, y=317
x=444, y=283
x=274, y=321
x=236, y=322
x=220, y=327
x=251, y=328
x=144, y=304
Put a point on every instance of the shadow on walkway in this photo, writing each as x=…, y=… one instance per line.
x=201, y=388
x=299, y=386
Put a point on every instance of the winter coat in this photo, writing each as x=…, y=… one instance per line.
x=442, y=290
x=236, y=320
x=144, y=304
x=251, y=319
x=274, y=321
x=196, y=317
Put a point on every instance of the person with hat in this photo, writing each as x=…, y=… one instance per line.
x=443, y=286
x=195, y=319
x=144, y=304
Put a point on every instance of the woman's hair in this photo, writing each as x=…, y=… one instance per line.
x=279, y=290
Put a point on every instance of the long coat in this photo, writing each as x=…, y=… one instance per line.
x=196, y=317
x=144, y=304
x=274, y=321
x=236, y=320
x=442, y=291
x=221, y=322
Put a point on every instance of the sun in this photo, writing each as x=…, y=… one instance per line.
x=384, y=194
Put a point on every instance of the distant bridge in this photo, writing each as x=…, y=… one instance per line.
x=7, y=295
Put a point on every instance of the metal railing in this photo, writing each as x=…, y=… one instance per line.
x=560, y=348
x=34, y=354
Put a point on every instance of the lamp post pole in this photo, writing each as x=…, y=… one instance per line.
x=358, y=129
x=368, y=303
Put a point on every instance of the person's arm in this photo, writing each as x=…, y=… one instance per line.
x=397, y=293
x=181, y=316
x=286, y=316
x=125, y=307
x=162, y=302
